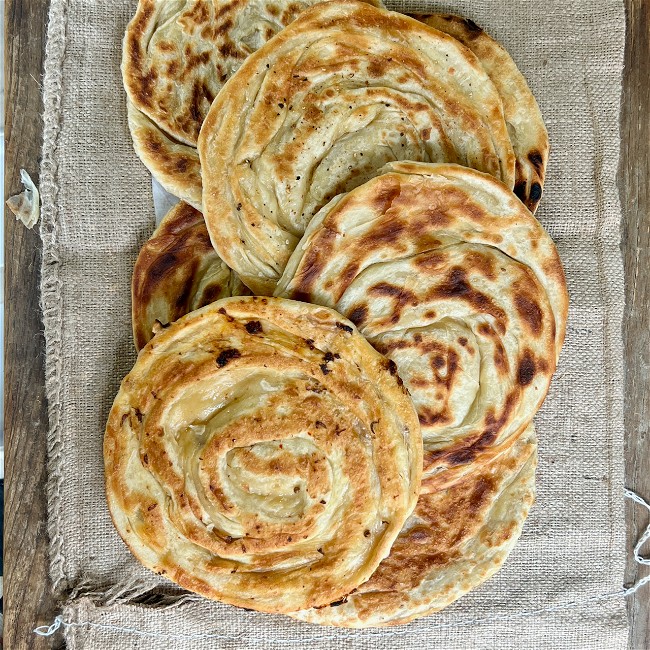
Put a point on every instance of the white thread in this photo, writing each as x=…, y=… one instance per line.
x=59, y=622
x=49, y=630
x=645, y=561
x=45, y=630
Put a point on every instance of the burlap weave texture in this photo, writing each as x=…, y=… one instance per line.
x=98, y=210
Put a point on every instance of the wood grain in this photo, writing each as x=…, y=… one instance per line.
x=28, y=599
x=634, y=183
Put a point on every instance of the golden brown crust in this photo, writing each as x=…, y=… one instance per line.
x=450, y=276
x=177, y=54
x=176, y=272
x=176, y=166
x=455, y=540
x=525, y=123
x=319, y=109
x=261, y=453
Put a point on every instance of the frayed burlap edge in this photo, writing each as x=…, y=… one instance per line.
x=51, y=300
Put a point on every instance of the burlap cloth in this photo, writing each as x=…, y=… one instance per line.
x=98, y=210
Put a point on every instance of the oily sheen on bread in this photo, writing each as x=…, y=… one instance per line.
x=177, y=55
x=523, y=117
x=176, y=272
x=262, y=453
x=344, y=89
x=455, y=540
x=448, y=274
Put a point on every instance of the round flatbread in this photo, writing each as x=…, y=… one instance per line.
x=449, y=275
x=262, y=453
x=523, y=117
x=177, y=271
x=456, y=539
x=177, y=55
x=344, y=89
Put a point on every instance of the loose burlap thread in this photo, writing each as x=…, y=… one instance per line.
x=98, y=210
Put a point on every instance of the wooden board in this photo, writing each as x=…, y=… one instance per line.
x=27, y=593
x=27, y=590
x=634, y=184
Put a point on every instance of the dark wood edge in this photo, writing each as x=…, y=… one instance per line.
x=27, y=592
x=634, y=184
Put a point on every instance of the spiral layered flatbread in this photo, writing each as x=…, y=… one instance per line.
x=177, y=55
x=262, y=453
x=177, y=271
x=448, y=274
x=344, y=89
x=525, y=123
x=455, y=540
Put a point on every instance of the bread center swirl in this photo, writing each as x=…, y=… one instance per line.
x=441, y=364
x=258, y=466
x=281, y=480
x=366, y=128
x=461, y=354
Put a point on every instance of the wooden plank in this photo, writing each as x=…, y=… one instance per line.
x=634, y=181
x=28, y=600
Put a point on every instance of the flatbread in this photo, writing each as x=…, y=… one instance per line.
x=176, y=272
x=450, y=276
x=177, y=55
x=175, y=165
x=344, y=89
x=456, y=539
x=523, y=117
x=262, y=453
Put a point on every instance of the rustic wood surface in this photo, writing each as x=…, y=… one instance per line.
x=27, y=594
x=28, y=601
x=634, y=184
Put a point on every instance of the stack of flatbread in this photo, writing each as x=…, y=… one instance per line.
x=348, y=322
